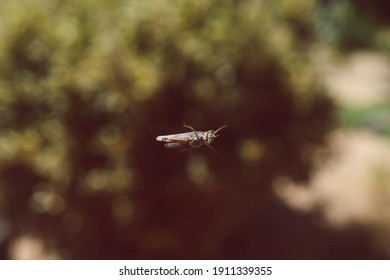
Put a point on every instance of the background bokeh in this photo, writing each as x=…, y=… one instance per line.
x=302, y=170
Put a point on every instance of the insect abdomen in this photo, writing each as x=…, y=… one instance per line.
x=173, y=145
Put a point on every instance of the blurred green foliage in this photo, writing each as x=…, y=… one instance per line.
x=86, y=86
x=375, y=117
x=351, y=25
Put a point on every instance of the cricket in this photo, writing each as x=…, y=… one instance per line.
x=189, y=140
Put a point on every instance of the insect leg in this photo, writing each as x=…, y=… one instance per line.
x=193, y=130
x=208, y=145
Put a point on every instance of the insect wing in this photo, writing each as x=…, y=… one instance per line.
x=176, y=138
x=174, y=141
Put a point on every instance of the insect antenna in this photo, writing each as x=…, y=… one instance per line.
x=219, y=129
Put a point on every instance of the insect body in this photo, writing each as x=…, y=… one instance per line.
x=188, y=140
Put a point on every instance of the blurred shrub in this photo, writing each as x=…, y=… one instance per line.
x=86, y=86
